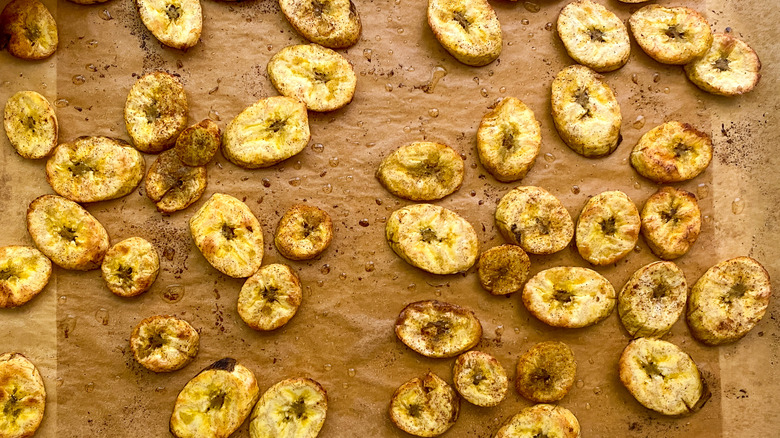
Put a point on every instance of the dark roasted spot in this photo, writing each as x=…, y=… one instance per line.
x=11, y=408
x=563, y=296
x=320, y=76
x=661, y=290
x=608, y=226
x=277, y=125
x=226, y=363
x=435, y=328
x=173, y=12
x=671, y=214
x=737, y=291
x=228, y=232
x=298, y=408
x=652, y=370
x=543, y=225
x=270, y=293
x=318, y=7
x=79, y=168
x=681, y=149
x=6, y=274
x=30, y=123
x=415, y=410
x=428, y=235
x=461, y=19
x=674, y=32
x=478, y=377
x=217, y=401
x=508, y=142
x=596, y=35
x=721, y=64
x=308, y=229
x=32, y=32
x=541, y=376
x=582, y=98
x=125, y=273
x=68, y=233
x=151, y=112
x=156, y=341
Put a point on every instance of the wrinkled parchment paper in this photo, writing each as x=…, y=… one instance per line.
x=77, y=332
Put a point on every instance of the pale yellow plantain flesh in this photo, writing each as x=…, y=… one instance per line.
x=468, y=29
x=653, y=299
x=672, y=152
x=24, y=272
x=535, y=220
x=22, y=396
x=671, y=222
x=508, y=140
x=729, y=68
x=594, y=36
x=425, y=407
x=330, y=23
x=164, y=343
x=172, y=185
x=479, y=378
x=608, y=228
x=422, y=171
x=28, y=29
x=198, y=144
x=304, y=232
x=292, y=408
x=30, y=124
x=438, y=329
x=674, y=35
x=130, y=267
x=546, y=372
x=155, y=112
x=503, y=269
x=541, y=420
x=270, y=297
x=176, y=23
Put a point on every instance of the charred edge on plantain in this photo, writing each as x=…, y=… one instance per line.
x=225, y=364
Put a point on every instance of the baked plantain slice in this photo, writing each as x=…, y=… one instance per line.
x=432, y=238
x=539, y=421
x=317, y=76
x=594, y=36
x=425, y=407
x=535, y=220
x=198, y=144
x=293, y=408
x=608, y=228
x=468, y=29
x=662, y=377
x=30, y=124
x=330, y=23
x=729, y=68
x=675, y=35
x=92, y=169
x=268, y=132
x=66, y=233
x=155, y=112
x=228, y=235
x=130, y=267
x=508, y=140
x=728, y=301
x=304, y=232
x=503, y=269
x=672, y=152
x=28, y=29
x=480, y=378
x=22, y=396
x=176, y=23
x=163, y=343
x=586, y=112
x=24, y=272
x=215, y=402
x=545, y=373
x=570, y=297
x=422, y=171
x=438, y=329
x=172, y=185
x=652, y=300
x=270, y=297
x=671, y=222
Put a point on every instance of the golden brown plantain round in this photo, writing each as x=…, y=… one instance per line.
x=28, y=29
x=304, y=232
x=672, y=152
x=268, y=132
x=586, y=112
x=270, y=297
x=676, y=35
x=66, y=233
x=438, y=329
x=569, y=297
x=504, y=269
x=292, y=408
x=130, y=267
x=30, y=124
x=155, y=112
x=432, y=238
x=198, y=144
x=425, y=407
x=422, y=171
x=330, y=23
x=594, y=36
x=539, y=421
x=163, y=343
x=608, y=228
x=671, y=222
x=546, y=372
x=729, y=68
x=172, y=185
x=317, y=76
x=92, y=169
x=535, y=220
x=22, y=397
x=508, y=140
x=480, y=378
x=215, y=402
x=662, y=377
x=228, y=235
x=24, y=272
x=728, y=301
x=652, y=300
x=468, y=29
x=176, y=23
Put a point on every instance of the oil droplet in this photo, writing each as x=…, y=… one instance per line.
x=363, y=222
x=102, y=316
x=575, y=189
x=656, y=77
x=437, y=293
x=548, y=26
x=530, y=35
x=370, y=266
x=343, y=276
x=63, y=299
x=367, y=54
x=79, y=79
x=737, y=205
x=389, y=87
x=524, y=22
x=580, y=383
x=89, y=387
x=707, y=219
x=703, y=190
x=91, y=67
x=345, y=385
x=637, y=185
x=349, y=178
x=61, y=103
x=433, y=112
x=158, y=389
x=667, y=90
x=517, y=330
x=400, y=31
x=266, y=182
x=637, y=249
x=437, y=74
x=483, y=92
x=499, y=330
x=173, y=293
x=269, y=47
x=295, y=182
x=334, y=162
x=639, y=122
x=351, y=372
x=92, y=44
x=411, y=287
x=531, y=7
x=320, y=283
x=407, y=129
x=597, y=390
x=328, y=367
x=59, y=381
x=476, y=80
x=327, y=188
x=297, y=165
x=410, y=69
x=214, y=115
x=67, y=325
x=587, y=405
x=635, y=78
x=502, y=90
x=105, y=15
x=325, y=269
x=548, y=157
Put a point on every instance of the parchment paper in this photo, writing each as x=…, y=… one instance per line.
x=77, y=332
